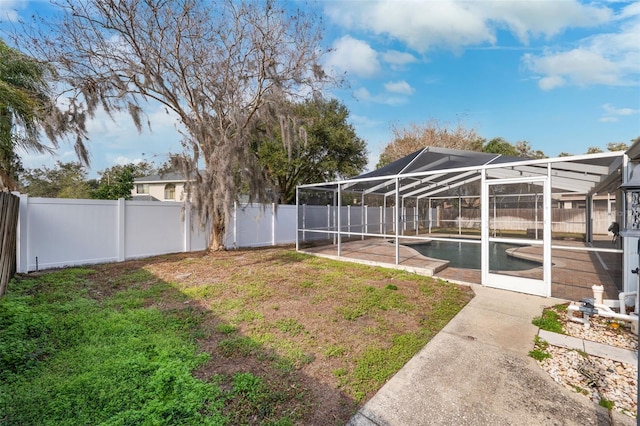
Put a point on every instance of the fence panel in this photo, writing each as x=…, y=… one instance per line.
x=63, y=232
x=70, y=232
x=253, y=226
x=285, y=229
x=9, y=208
x=316, y=218
x=374, y=220
x=154, y=228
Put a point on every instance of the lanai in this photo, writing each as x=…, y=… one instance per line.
x=553, y=213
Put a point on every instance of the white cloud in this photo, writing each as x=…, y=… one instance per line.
x=607, y=59
x=578, y=66
x=363, y=121
x=401, y=87
x=9, y=9
x=455, y=24
x=397, y=59
x=613, y=114
x=609, y=119
x=353, y=56
x=526, y=19
x=121, y=160
x=363, y=94
x=610, y=109
x=420, y=25
x=549, y=83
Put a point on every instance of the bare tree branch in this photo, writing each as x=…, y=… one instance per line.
x=222, y=66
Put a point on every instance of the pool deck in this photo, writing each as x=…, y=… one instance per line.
x=573, y=272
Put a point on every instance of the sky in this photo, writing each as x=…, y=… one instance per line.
x=563, y=75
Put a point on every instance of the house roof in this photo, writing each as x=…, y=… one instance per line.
x=163, y=178
x=436, y=171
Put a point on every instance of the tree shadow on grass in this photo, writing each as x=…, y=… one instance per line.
x=166, y=356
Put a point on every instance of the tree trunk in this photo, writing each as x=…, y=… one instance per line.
x=217, y=235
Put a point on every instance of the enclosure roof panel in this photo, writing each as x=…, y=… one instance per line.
x=438, y=171
x=434, y=158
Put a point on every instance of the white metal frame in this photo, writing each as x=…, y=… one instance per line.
x=510, y=282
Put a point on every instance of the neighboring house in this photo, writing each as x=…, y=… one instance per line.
x=578, y=201
x=166, y=187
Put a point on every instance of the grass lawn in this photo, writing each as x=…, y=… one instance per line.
x=264, y=337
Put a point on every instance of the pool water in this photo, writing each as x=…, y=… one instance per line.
x=467, y=255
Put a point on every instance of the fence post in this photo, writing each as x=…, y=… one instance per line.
x=235, y=224
x=365, y=219
x=304, y=224
x=273, y=224
x=459, y=215
x=120, y=209
x=329, y=235
x=187, y=226
x=22, y=256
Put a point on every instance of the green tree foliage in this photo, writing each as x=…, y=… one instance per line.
x=117, y=181
x=28, y=107
x=318, y=145
x=64, y=180
x=594, y=150
x=519, y=149
x=500, y=146
x=525, y=150
x=617, y=146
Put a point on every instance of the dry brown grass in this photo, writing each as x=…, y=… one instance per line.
x=324, y=335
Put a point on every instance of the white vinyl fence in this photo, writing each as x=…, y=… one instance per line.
x=55, y=232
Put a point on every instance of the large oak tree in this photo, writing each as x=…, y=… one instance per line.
x=222, y=66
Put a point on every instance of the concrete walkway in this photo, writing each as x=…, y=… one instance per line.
x=477, y=371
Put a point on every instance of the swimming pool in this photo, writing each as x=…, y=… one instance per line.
x=467, y=255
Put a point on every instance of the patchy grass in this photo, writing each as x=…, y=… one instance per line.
x=269, y=337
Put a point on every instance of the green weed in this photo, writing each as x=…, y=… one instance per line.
x=333, y=351
x=539, y=352
x=561, y=307
x=248, y=316
x=539, y=355
x=225, y=328
x=340, y=372
x=290, y=326
x=307, y=284
x=548, y=321
x=607, y=404
x=366, y=300
x=236, y=346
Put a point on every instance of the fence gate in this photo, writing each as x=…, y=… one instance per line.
x=9, y=206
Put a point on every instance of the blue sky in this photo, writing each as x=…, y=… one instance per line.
x=563, y=75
